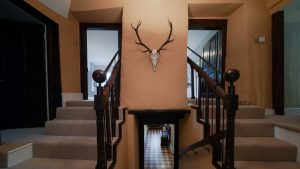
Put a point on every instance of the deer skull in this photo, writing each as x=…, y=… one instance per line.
x=154, y=53
x=154, y=58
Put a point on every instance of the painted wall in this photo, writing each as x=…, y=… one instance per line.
x=292, y=55
x=166, y=88
x=141, y=87
x=192, y=132
x=252, y=59
x=69, y=47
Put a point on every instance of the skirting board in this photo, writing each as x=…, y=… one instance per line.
x=12, y=154
x=71, y=96
x=290, y=137
x=292, y=111
x=269, y=112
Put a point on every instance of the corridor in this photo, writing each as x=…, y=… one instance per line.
x=156, y=156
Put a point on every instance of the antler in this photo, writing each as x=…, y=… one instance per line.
x=168, y=40
x=139, y=42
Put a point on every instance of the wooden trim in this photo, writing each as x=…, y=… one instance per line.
x=278, y=62
x=162, y=116
x=83, y=48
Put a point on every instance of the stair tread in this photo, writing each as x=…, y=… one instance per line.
x=47, y=163
x=266, y=165
x=64, y=121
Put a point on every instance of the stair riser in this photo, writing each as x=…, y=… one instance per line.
x=65, y=151
x=259, y=153
x=254, y=129
x=83, y=113
x=60, y=129
x=80, y=104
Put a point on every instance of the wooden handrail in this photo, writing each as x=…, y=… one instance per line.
x=203, y=142
x=111, y=62
x=214, y=125
x=213, y=85
x=111, y=81
x=204, y=60
x=106, y=106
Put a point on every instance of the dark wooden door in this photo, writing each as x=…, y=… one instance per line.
x=23, y=76
x=278, y=62
x=212, y=52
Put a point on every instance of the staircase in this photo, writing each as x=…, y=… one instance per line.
x=255, y=144
x=69, y=140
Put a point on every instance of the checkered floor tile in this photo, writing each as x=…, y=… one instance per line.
x=156, y=156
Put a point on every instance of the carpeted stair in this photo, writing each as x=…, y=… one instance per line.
x=255, y=144
x=69, y=140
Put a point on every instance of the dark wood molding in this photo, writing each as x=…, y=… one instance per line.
x=83, y=48
x=53, y=55
x=158, y=116
x=278, y=62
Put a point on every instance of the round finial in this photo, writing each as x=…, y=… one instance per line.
x=231, y=75
x=99, y=76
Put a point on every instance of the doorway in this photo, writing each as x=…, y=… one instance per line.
x=207, y=48
x=159, y=146
x=99, y=43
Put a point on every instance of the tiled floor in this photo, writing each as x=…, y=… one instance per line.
x=156, y=156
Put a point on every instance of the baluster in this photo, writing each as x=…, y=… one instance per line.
x=206, y=126
x=99, y=76
x=108, y=130
x=113, y=111
x=192, y=83
x=231, y=104
x=199, y=109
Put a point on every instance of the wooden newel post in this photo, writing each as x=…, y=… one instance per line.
x=99, y=77
x=231, y=104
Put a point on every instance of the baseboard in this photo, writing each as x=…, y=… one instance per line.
x=290, y=137
x=292, y=111
x=71, y=96
x=12, y=154
x=269, y=112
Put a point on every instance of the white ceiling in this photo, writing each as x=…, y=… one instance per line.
x=59, y=6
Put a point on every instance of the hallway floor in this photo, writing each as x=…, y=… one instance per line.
x=156, y=156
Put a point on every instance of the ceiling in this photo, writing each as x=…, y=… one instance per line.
x=110, y=15
x=9, y=11
x=212, y=9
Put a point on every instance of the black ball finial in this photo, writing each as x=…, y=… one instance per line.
x=231, y=75
x=99, y=76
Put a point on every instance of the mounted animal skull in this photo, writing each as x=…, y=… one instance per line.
x=154, y=53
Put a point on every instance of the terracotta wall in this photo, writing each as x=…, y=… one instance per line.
x=69, y=47
x=141, y=87
x=252, y=59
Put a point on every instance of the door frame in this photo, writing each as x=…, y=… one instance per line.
x=278, y=62
x=157, y=116
x=212, y=24
x=83, y=27
x=53, y=56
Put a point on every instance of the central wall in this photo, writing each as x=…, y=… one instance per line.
x=166, y=87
